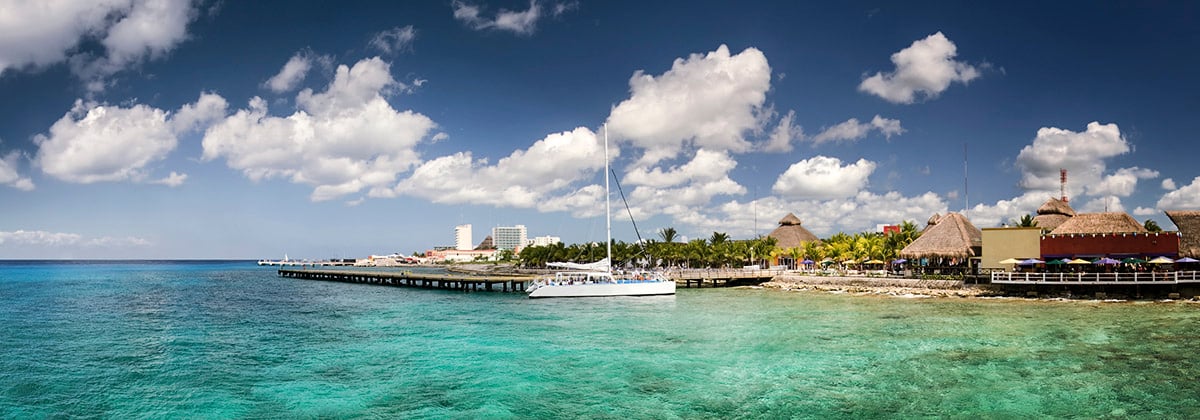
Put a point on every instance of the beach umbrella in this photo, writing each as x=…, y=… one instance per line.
x=1079, y=261
x=1031, y=261
x=1058, y=262
x=827, y=261
x=900, y=261
x=1132, y=260
x=874, y=262
x=807, y=262
x=1187, y=260
x=1010, y=261
x=849, y=261
x=1162, y=260
x=1107, y=261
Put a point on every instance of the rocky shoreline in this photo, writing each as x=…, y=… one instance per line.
x=880, y=286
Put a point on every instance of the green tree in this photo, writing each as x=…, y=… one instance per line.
x=668, y=234
x=1025, y=221
x=1152, y=226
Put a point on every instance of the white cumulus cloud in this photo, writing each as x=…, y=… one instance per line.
x=36, y=34
x=1122, y=182
x=95, y=143
x=341, y=140
x=1003, y=211
x=9, y=175
x=208, y=109
x=1102, y=204
x=823, y=177
x=395, y=40
x=1082, y=154
x=518, y=22
x=107, y=143
x=709, y=101
x=925, y=68
x=856, y=213
x=784, y=134
x=1186, y=197
x=175, y=179
x=1168, y=184
x=1089, y=183
x=1144, y=211
x=680, y=189
x=290, y=76
x=852, y=129
x=523, y=179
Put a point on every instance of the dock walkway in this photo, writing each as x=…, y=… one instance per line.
x=1146, y=278
x=411, y=279
x=719, y=278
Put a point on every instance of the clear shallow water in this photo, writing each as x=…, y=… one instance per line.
x=231, y=340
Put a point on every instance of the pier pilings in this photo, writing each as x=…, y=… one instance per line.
x=411, y=279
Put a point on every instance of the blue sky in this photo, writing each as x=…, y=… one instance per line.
x=220, y=129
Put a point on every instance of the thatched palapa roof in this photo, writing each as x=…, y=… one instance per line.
x=952, y=236
x=1188, y=223
x=1056, y=206
x=933, y=220
x=1053, y=214
x=790, y=234
x=1111, y=222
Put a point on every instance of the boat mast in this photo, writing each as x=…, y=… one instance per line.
x=607, y=212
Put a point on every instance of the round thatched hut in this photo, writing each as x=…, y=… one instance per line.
x=1053, y=213
x=790, y=234
x=1188, y=223
x=950, y=237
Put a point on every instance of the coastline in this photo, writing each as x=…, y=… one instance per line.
x=879, y=286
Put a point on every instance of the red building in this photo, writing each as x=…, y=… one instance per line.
x=1114, y=234
x=1116, y=245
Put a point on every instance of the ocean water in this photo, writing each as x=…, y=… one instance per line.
x=232, y=340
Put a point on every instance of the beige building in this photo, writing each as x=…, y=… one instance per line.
x=1009, y=242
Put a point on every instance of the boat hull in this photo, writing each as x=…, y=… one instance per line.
x=650, y=288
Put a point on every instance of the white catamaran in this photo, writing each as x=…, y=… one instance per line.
x=597, y=279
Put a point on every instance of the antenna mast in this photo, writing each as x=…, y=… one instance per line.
x=607, y=211
x=1062, y=186
x=966, y=192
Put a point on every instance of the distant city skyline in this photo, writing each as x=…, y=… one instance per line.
x=216, y=129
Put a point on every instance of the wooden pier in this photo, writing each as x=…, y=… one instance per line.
x=411, y=279
x=721, y=278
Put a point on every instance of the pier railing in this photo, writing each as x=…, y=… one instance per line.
x=1168, y=277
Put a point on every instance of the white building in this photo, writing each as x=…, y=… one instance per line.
x=512, y=238
x=462, y=238
x=454, y=255
x=544, y=240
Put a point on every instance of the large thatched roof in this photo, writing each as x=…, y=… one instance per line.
x=1053, y=214
x=1050, y=221
x=790, y=234
x=1111, y=222
x=953, y=236
x=1188, y=222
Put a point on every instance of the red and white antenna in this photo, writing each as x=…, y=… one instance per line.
x=1062, y=186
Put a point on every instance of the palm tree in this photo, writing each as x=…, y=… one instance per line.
x=1152, y=226
x=668, y=234
x=1025, y=221
x=718, y=238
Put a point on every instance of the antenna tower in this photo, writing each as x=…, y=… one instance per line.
x=1062, y=186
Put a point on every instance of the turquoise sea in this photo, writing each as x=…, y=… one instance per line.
x=232, y=340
